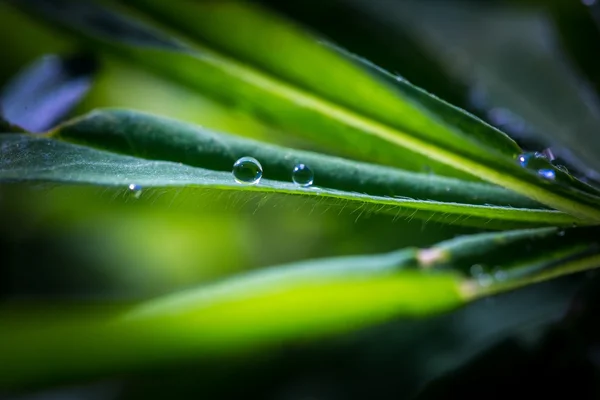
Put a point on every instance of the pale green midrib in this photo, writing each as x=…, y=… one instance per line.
x=397, y=86
x=216, y=51
x=387, y=93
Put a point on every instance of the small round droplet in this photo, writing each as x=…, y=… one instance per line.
x=136, y=190
x=302, y=175
x=562, y=168
x=547, y=173
x=247, y=170
x=524, y=158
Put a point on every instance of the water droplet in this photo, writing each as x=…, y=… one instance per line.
x=540, y=162
x=476, y=270
x=562, y=168
x=536, y=159
x=560, y=233
x=247, y=170
x=136, y=190
x=524, y=158
x=302, y=175
x=547, y=173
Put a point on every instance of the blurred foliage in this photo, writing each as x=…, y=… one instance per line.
x=530, y=69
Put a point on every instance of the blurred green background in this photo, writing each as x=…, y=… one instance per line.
x=528, y=67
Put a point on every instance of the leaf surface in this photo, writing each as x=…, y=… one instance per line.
x=309, y=101
x=283, y=304
x=163, y=153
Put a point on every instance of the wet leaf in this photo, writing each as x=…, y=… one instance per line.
x=175, y=155
x=313, y=100
x=521, y=77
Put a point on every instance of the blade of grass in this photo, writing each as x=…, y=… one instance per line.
x=158, y=138
x=26, y=158
x=498, y=262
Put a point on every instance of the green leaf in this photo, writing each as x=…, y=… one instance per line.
x=197, y=67
x=228, y=317
x=176, y=155
x=439, y=121
x=291, y=97
x=257, y=310
x=307, y=63
x=500, y=261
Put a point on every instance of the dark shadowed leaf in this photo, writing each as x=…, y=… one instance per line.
x=517, y=68
x=44, y=93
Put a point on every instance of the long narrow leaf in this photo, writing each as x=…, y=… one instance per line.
x=170, y=147
x=265, y=308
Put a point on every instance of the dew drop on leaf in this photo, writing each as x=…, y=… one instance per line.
x=524, y=158
x=247, y=170
x=547, y=173
x=540, y=162
x=302, y=175
x=136, y=190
